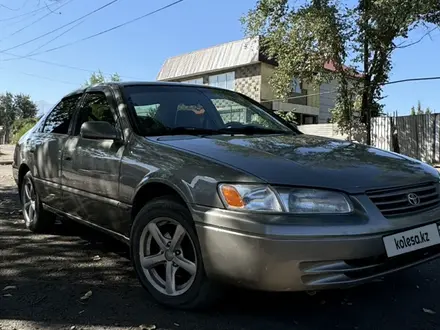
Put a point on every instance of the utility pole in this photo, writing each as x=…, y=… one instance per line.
x=366, y=105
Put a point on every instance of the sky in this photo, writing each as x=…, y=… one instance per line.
x=137, y=51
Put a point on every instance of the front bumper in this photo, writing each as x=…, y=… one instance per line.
x=275, y=262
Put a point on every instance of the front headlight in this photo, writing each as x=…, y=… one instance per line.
x=249, y=197
x=309, y=201
x=291, y=200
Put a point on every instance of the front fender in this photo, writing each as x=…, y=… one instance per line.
x=168, y=180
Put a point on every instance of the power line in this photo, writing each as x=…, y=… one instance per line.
x=25, y=18
x=61, y=65
x=413, y=79
x=108, y=30
x=36, y=21
x=28, y=57
x=43, y=77
x=53, y=39
x=61, y=27
x=9, y=8
x=335, y=90
x=21, y=15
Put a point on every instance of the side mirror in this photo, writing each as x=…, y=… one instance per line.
x=100, y=130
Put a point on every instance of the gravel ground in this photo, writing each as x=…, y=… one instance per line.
x=43, y=277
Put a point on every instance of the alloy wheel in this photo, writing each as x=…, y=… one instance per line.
x=29, y=202
x=168, y=256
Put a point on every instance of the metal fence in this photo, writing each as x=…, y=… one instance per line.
x=416, y=136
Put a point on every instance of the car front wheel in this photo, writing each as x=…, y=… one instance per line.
x=35, y=217
x=166, y=255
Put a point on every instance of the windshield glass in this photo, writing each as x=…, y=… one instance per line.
x=161, y=110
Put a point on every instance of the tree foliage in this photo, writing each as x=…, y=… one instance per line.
x=288, y=116
x=21, y=126
x=361, y=37
x=99, y=77
x=419, y=110
x=13, y=108
x=24, y=106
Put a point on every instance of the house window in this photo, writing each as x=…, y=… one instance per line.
x=198, y=81
x=225, y=80
x=296, y=85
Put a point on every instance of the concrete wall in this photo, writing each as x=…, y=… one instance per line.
x=325, y=130
x=313, y=97
x=266, y=73
x=327, y=101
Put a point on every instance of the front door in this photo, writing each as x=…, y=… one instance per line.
x=47, y=147
x=91, y=167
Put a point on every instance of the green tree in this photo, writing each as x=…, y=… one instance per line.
x=15, y=108
x=7, y=113
x=98, y=78
x=288, y=116
x=21, y=126
x=361, y=36
x=24, y=106
x=419, y=108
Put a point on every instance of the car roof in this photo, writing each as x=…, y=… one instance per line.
x=156, y=83
x=140, y=83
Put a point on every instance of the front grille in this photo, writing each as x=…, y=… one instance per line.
x=395, y=201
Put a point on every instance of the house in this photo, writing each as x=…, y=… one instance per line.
x=241, y=66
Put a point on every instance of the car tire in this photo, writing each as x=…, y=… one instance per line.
x=164, y=213
x=36, y=218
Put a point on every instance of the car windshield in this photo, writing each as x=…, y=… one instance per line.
x=170, y=110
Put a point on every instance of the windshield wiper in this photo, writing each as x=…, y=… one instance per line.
x=188, y=131
x=247, y=130
x=252, y=130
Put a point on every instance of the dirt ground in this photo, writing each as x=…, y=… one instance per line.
x=43, y=277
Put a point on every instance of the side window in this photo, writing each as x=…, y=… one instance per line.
x=58, y=120
x=95, y=108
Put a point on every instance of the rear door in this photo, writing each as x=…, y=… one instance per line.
x=91, y=167
x=47, y=147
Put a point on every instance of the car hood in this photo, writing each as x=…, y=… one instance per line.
x=307, y=160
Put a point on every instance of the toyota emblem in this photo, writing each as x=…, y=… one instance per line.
x=413, y=199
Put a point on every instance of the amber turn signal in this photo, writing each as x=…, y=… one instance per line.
x=232, y=196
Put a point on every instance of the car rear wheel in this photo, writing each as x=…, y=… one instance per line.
x=167, y=258
x=35, y=217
